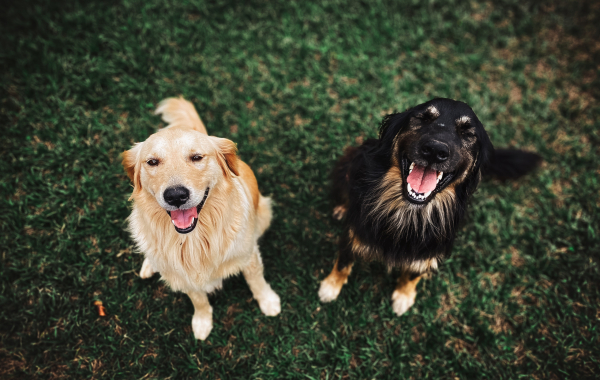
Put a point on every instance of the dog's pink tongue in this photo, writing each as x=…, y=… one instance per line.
x=184, y=218
x=422, y=179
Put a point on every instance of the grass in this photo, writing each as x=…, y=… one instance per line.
x=293, y=83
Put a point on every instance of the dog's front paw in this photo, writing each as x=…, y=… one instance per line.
x=330, y=289
x=202, y=326
x=146, y=271
x=402, y=301
x=269, y=303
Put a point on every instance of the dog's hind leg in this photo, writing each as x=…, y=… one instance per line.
x=339, y=212
x=202, y=320
x=339, y=183
x=147, y=271
x=405, y=293
x=268, y=300
x=332, y=284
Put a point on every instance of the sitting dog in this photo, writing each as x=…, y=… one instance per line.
x=197, y=212
x=403, y=196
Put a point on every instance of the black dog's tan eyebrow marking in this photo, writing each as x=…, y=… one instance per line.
x=431, y=113
x=463, y=121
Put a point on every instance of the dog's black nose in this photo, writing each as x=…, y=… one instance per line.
x=435, y=151
x=176, y=196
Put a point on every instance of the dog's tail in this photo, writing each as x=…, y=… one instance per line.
x=178, y=112
x=511, y=163
x=264, y=214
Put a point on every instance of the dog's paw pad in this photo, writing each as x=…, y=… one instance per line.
x=329, y=290
x=201, y=327
x=146, y=271
x=402, y=302
x=270, y=304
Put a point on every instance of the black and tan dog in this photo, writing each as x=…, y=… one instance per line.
x=402, y=196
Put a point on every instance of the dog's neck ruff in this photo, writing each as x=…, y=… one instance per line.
x=398, y=231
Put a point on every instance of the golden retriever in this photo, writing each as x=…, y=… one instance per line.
x=197, y=212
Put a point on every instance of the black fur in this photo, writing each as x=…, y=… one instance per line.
x=511, y=163
x=360, y=172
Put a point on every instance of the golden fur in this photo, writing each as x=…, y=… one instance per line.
x=229, y=224
x=178, y=112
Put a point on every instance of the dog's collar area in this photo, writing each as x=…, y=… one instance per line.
x=192, y=226
x=443, y=179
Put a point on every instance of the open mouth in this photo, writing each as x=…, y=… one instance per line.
x=423, y=183
x=185, y=221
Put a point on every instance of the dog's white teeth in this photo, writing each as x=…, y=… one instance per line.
x=411, y=166
x=440, y=174
x=173, y=221
x=408, y=187
x=427, y=194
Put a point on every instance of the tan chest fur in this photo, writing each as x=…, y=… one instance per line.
x=220, y=246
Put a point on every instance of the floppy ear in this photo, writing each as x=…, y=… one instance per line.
x=486, y=149
x=392, y=124
x=132, y=166
x=484, y=156
x=226, y=155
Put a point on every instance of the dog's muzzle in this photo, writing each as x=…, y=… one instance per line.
x=185, y=221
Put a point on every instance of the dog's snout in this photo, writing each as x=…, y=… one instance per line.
x=176, y=196
x=435, y=151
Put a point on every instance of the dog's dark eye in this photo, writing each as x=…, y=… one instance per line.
x=428, y=116
x=196, y=157
x=464, y=126
x=467, y=131
x=152, y=162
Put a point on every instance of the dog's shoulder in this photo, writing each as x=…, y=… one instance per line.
x=247, y=176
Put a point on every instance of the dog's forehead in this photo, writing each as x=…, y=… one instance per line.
x=168, y=142
x=447, y=111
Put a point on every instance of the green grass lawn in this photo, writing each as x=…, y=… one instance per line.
x=293, y=83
